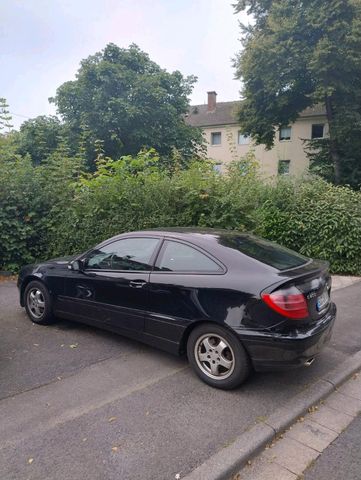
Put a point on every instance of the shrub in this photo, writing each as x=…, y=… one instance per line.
x=316, y=218
x=53, y=209
x=31, y=199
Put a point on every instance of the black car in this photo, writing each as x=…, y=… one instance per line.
x=230, y=300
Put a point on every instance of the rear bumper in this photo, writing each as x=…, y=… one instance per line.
x=272, y=351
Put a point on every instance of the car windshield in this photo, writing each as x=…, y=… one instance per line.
x=266, y=252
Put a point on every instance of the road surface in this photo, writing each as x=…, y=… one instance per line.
x=79, y=403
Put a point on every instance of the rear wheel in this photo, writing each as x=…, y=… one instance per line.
x=217, y=356
x=38, y=303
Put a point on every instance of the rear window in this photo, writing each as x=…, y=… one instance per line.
x=266, y=252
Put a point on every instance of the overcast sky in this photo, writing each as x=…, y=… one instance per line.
x=43, y=41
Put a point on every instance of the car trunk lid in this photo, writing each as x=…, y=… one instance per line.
x=313, y=281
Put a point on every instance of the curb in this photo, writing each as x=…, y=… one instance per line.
x=228, y=461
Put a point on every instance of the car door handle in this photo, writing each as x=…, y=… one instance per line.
x=137, y=283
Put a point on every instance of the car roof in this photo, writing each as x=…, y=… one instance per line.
x=195, y=235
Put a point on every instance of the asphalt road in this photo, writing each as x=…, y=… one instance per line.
x=342, y=459
x=78, y=403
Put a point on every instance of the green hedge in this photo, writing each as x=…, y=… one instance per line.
x=317, y=219
x=51, y=210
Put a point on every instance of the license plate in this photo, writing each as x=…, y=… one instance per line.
x=322, y=301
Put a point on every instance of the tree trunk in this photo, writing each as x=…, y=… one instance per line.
x=335, y=156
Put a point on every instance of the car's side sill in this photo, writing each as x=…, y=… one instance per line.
x=169, y=346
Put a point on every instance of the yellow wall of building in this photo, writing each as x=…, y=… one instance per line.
x=292, y=150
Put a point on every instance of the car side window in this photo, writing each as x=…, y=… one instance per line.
x=178, y=257
x=126, y=254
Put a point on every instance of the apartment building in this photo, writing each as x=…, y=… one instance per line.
x=226, y=141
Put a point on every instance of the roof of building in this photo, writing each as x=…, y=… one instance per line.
x=225, y=113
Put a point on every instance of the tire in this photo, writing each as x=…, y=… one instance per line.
x=38, y=304
x=218, y=357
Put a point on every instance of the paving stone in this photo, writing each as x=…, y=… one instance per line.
x=331, y=418
x=312, y=434
x=291, y=454
x=352, y=388
x=264, y=470
x=341, y=403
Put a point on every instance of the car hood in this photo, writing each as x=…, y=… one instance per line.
x=61, y=260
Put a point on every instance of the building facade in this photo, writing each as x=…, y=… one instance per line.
x=226, y=142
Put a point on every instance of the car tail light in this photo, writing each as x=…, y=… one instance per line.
x=290, y=303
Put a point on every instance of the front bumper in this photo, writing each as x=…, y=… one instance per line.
x=276, y=351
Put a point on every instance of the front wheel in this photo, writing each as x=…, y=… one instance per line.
x=217, y=356
x=38, y=304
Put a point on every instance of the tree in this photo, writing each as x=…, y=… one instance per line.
x=40, y=137
x=298, y=54
x=5, y=117
x=128, y=102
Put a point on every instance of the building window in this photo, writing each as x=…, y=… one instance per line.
x=318, y=131
x=216, y=138
x=243, y=139
x=284, y=167
x=285, y=133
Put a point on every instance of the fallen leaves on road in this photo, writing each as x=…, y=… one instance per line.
x=177, y=476
x=74, y=345
x=261, y=419
x=111, y=419
x=30, y=461
x=114, y=449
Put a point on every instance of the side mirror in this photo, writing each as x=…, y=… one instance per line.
x=76, y=266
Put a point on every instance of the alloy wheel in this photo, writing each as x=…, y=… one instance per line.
x=214, y=356
x=36, y=303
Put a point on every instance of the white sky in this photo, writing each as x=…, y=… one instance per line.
x=43, y=41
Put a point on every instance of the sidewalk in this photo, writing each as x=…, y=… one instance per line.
x=342, y=459
x=317, y=446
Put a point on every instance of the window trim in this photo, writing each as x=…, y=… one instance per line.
x=222, y=271
x=285, y=139
x=278, y=167
x=318, y=125
x=239, y=133
x=216, y=144
x=106, y=243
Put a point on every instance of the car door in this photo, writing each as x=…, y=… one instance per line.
x=112, y=288
x=184, y=287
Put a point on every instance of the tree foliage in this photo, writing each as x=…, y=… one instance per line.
x=40, y=137
x=5, y=117
x=298, y=54
x=127, y=101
